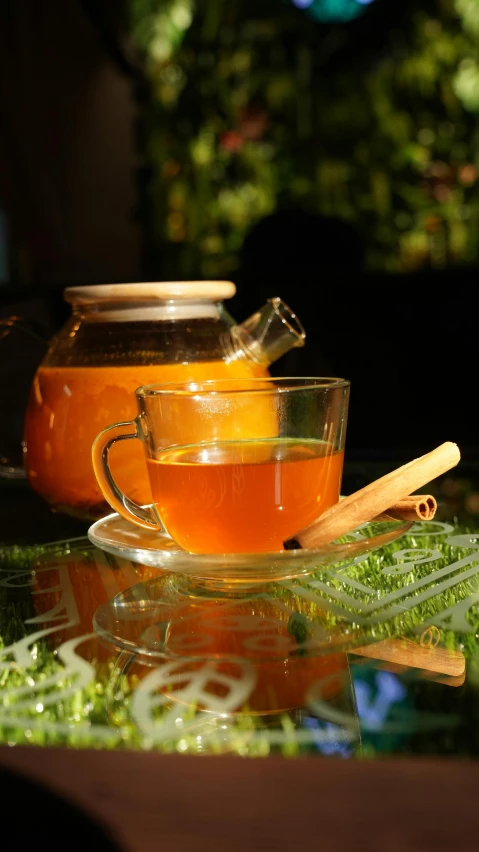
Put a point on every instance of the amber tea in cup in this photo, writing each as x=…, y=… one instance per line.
x=235, y=466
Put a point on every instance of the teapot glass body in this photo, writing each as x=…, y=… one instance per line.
x=118, y=338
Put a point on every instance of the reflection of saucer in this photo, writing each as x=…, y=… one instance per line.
x=166, y=619
x=122, y=538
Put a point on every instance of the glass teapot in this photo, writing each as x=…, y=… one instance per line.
x=118, y=338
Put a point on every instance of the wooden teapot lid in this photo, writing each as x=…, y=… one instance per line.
x=151, y=291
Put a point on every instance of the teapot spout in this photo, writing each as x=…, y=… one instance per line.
x=267, y=334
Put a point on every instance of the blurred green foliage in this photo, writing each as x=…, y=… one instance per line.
x=255, y=106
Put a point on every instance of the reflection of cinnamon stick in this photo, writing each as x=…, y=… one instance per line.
x=375, y=498
x=405, y=652
x=416, y=507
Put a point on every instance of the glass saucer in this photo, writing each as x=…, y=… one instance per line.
x=122, y=538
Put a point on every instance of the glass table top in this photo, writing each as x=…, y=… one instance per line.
x=374, y=655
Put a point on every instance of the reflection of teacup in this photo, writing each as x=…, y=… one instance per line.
x=276, y=687
x=230, y=687
x=234, y=466
x=210, y=707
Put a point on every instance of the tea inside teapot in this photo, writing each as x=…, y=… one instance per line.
x=118, y=338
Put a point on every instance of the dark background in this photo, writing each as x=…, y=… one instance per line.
x=74, y=177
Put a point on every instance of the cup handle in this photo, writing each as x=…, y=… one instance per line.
x=143, y=516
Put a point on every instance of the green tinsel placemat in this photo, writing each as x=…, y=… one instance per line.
x=60, y=685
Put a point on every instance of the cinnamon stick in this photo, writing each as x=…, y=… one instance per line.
x=416, y=507
x=374, y=499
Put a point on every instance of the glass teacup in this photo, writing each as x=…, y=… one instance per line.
x=235, y=466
